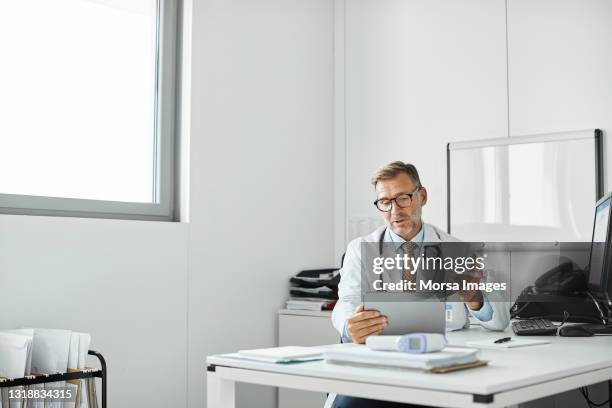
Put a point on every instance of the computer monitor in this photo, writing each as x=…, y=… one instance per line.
x=599, y=263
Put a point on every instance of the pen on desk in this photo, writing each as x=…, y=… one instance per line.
x=505, y=339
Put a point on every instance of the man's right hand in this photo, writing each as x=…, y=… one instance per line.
x=365, y=323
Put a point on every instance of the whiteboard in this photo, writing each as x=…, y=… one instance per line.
x=526, y=188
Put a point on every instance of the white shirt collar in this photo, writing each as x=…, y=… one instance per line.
x=393, y=237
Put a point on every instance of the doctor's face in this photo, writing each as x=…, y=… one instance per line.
x=406, y=221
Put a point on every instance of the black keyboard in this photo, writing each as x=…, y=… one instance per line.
x=535, y=327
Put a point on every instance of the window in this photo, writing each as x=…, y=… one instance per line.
x=88, y=107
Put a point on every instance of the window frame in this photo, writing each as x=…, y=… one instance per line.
x=165, y=141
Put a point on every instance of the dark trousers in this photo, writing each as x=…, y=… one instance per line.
x=344, y=401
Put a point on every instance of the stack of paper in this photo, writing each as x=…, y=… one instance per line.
x=282, y=355
x=449, y=356
x=64, y=351
x=321, y=284
x=46, y=351
x=310, y=304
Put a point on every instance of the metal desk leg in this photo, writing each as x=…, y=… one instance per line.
x=220, y=393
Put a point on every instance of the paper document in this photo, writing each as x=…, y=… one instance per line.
x=315, y=305
x=15, y=354
x=283, y=354
x=30, y=334
x=51, y=348
x=515, y=342
x=50, y=355
x=362, y=355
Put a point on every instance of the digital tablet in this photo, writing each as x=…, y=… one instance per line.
x=408, y=314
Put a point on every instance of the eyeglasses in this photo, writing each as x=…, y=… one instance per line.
x=403, y=200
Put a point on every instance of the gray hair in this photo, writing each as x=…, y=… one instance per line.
x=390, y=170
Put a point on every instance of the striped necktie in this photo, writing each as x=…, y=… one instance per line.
x=409, y=249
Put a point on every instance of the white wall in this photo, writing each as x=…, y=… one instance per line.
x=419, y=74
x=261, y=175
x=560, y=71
x=261, y=209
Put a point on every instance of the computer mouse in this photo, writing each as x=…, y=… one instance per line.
x=575, y=330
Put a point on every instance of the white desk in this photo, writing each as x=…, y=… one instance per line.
x=512, y=377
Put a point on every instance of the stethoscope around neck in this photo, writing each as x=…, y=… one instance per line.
x=437, y=251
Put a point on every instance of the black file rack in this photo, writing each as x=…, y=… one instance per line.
x=75, y=375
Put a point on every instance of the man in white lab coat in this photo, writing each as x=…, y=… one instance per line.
x=400, y=198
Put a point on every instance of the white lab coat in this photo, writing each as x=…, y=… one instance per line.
x=349, y=290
